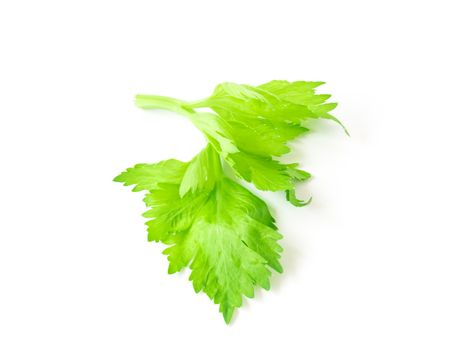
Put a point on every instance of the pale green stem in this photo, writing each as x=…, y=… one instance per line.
x=163, y=102
x=198, y=104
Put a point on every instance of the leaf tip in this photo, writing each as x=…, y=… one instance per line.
x=118, y=178
x=227, y=314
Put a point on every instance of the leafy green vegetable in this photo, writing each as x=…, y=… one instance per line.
x=213, y=225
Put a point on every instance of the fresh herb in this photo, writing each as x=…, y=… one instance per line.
x=212, y=224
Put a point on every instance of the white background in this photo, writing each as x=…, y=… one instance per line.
x=376, y=262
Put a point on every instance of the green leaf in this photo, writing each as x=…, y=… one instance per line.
x=202, y=172
x=259, y=122
x=241, y=92
x=298, y=92
x=303, y=93
x=260, y=136
x=297, y=174
x=211, y=224
x=226, y=236
x=148, y=176
x=264, y=172
x=215, y=132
